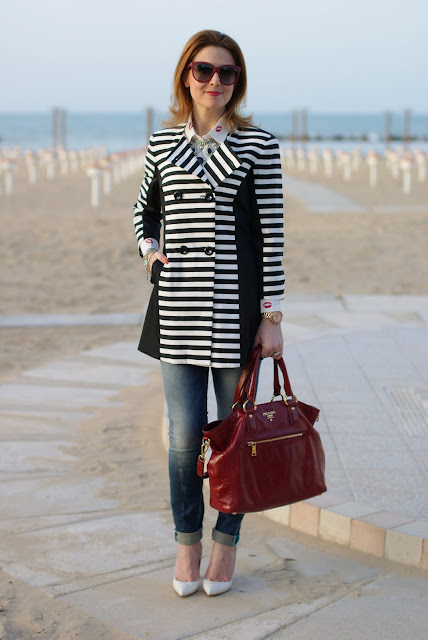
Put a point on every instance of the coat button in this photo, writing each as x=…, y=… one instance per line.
x=178, y=195
x=209, y=196
x=208, y=251
x=184, y=249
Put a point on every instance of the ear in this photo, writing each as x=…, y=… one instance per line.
x=186, y=78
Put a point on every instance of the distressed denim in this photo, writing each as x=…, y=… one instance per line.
x=186, y=396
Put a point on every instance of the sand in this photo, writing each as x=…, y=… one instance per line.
x=61, y=256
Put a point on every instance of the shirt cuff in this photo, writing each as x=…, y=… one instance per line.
x=270, y=305
x=148, y=243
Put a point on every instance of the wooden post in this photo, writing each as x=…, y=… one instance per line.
x=420, y=159
x=294, y=126
x=387, y=129
x=406, y=128
x=289, y=158
x=149, y=123
x=95, y=172
x=313, y=160
x=303, y=126
x=328, y=162
x=62, y=127
x=8, y=169
x=54, y=127
x=346, y=164
x=301, y=159
x=372, y=161
x=406, y=167
x=30, y=163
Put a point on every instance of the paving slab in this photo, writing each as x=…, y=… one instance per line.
x=93, y=547
x=61, y=531
x=52, y=495
x=81, y=371
x=16, y=427
x=265, y=581
x=408, y=208
x=320, y=199
x=120, y=352
x=382, y=303
x=71, y=320
x=48, y=414
x=382, y=610
x=18, y=396
x=24, y=456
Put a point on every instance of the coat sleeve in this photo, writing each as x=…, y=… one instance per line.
x=270, y=204
x=147, y=209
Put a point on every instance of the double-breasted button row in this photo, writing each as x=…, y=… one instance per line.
x=178, y=195
x=208, y=250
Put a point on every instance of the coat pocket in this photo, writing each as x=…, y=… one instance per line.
x=156, y=269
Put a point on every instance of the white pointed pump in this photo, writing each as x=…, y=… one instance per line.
x=212, y=588
x=184, y=589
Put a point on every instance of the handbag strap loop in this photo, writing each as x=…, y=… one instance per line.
x=280, y=364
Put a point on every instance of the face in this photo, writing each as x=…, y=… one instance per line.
x=212, y=94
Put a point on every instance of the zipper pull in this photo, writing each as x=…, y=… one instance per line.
x=253, y=446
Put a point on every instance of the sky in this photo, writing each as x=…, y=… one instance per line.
x=325, y=55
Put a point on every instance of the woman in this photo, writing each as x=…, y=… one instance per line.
x=213, y=185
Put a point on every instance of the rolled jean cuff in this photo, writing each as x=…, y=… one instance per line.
x=188, y=538
x=225, y=538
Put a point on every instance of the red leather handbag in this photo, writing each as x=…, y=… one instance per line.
x=265, y=455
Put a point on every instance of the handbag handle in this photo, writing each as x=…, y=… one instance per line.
x=246, y=387
x=243, y=382
x=280, y=364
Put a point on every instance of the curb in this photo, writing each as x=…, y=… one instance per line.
x=362, y=527
x=384, y=534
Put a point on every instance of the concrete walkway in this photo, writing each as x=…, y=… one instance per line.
x=361, y=359
x=320, y=199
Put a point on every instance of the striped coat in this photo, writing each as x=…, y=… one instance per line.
x=223, y=236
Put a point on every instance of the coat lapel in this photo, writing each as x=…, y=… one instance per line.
x=220, y=165
x=182, y=156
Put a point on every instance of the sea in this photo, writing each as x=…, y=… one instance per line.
x=122, y=131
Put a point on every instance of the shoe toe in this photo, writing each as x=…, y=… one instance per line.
x=184, y=589
x=212, y=588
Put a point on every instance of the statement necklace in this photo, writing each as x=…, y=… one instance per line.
x=204, y=148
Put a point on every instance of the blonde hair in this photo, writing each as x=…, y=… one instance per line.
x=181, y=100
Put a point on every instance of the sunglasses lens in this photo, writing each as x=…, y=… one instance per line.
x=228, y=75
x=202, y=71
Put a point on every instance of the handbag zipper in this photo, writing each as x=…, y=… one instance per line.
x=253, y=443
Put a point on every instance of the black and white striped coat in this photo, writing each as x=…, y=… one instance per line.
x=223, y=236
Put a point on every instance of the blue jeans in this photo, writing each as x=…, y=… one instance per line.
x=186, y=397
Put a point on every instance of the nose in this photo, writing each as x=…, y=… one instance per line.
x=215, y=79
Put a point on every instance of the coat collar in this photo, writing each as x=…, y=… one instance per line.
x=219, y=132
x=219, y=166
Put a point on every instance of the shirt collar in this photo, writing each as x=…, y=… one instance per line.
x=219, y=132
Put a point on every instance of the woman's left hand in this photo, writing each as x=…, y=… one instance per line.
x=269, y=335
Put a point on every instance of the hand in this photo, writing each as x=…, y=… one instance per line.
x=157, y=255
x=269, y=335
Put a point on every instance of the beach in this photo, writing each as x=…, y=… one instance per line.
x=60, y=256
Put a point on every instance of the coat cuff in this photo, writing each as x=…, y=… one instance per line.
x=146, y=244
x=270, y=305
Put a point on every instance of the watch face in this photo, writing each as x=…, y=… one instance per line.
x=277, y=316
